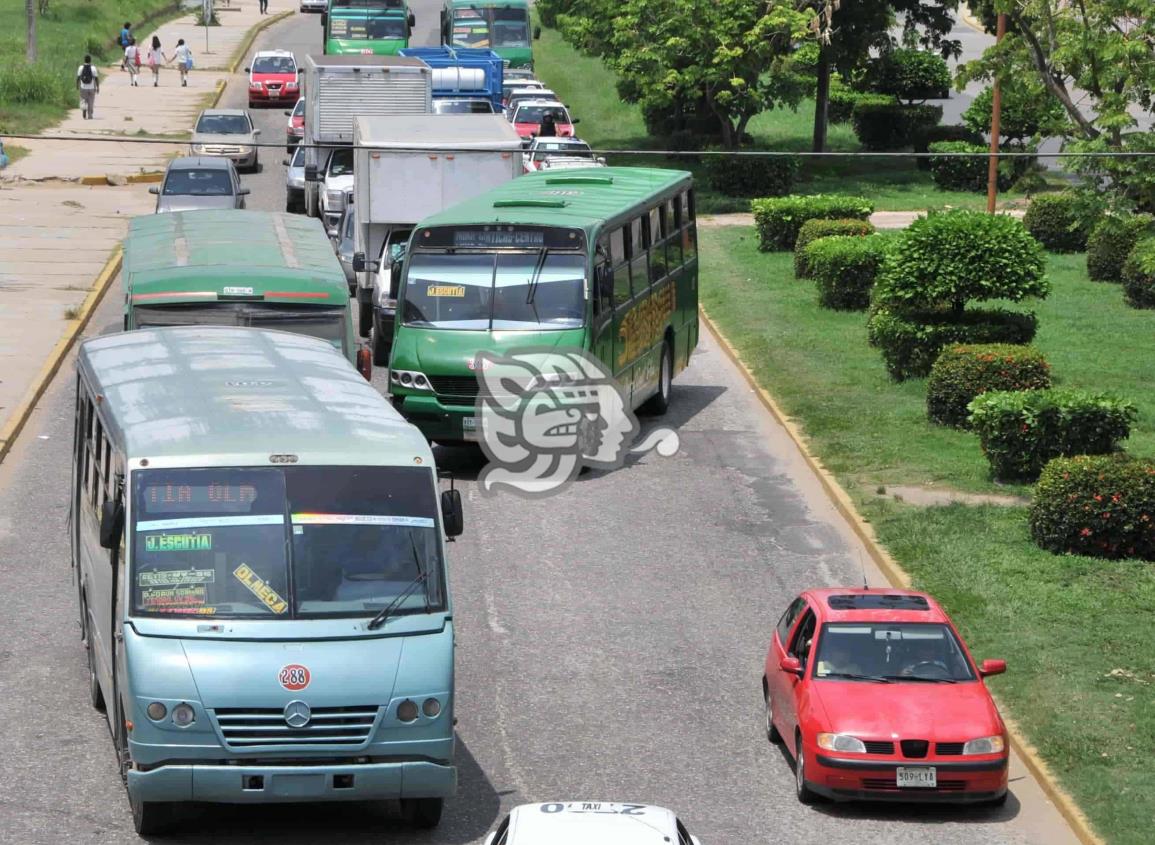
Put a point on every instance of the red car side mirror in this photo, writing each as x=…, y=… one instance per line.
x=791, y=665
x=992, y=667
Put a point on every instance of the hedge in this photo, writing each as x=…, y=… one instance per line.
x=911, y=74
x=1098, y=505
x=1111, y=241
x=960, y=373
x=922, y=139
x=778, y=219
x=844, y=268
x=842, y=100
x=966, y=173
x=751, y=176
x=910, y=343
x=1139, y=275
x=890, y=126
x=812, y=230
x=1055, y=221
x=1021, y=430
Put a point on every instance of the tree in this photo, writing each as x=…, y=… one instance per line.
x=30, y=45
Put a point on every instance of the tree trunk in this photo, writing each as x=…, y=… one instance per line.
x=821, y=102
x=30, y=13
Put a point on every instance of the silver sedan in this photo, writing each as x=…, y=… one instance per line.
x=228, y=133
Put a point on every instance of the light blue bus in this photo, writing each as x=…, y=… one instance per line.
x=260, y=553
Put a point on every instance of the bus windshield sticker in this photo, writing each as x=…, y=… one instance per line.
x=211, y=521
x=190, y=599
x=178, y=543
x=360, y=519
x=175, y=577
x=257, y=586
x=446, y=290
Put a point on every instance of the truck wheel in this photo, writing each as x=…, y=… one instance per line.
x=380, y=346
x=424, y=813
x=660, y=401
x=364, y=316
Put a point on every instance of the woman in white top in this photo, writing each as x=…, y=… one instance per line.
x=156, y=58
x=183, y=58
x=132, y=60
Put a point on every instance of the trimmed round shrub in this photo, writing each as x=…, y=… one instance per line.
x=812, y=230
x=842, y=100
x=948, y=259
x=911, y=75
x=751, y=176
x=910, y=343
x=1097, y=505
x=960, y=373
x=890, y=126
x=1139, y=275
x=844, y=268
x=1021, y=430
x=922, y=139
x=1026, y=111
x=778, y=219
x=1055, y=221
x=1111, y=241
x=966, y=172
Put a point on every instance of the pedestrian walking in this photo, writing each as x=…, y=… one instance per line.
x=264, y=7
x=123, y=39
x=132, y=62
x=184, y=61
x=156, y=58
x=88, y=83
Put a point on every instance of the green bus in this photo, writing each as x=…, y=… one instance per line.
x=369, y=27
x=267, y=270
x=499, y=25
x=603, y=260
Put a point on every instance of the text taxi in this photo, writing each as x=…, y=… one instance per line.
x=583, y=822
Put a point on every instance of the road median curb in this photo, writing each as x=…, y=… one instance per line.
x=246, y=45
x=899, y=578
x=20, y=416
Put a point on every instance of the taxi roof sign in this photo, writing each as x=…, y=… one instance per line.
x=580, y=822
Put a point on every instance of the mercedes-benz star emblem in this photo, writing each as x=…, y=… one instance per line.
x=297, y=714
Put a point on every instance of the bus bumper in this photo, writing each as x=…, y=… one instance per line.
x=270, y=784
x=443, y=423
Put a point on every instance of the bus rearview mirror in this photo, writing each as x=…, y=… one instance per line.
x=451, y=514
x=111, y=522
x=394, y=278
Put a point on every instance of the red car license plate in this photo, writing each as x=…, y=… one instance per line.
x=920, y=778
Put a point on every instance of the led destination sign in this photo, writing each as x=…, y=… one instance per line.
x=502, y=237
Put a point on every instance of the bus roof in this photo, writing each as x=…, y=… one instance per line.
x=487, y=4
x=226, y=396
x=194, y=254
x=579, y=198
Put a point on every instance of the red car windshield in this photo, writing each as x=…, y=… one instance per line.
x=274, y=64
x=892, y=652
x=535, y=114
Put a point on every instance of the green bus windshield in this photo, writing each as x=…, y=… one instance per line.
x=367, y=27
x=326, y=323
x=496, y=291
x=490, y=27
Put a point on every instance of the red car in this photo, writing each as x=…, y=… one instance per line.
x=295, y=127
x=273, y=78
x=877, y=697
x=530, y=113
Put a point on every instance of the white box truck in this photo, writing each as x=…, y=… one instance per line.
x=339, y=89
x=405, y=169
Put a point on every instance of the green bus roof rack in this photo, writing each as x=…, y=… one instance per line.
x=579, y=180
x=529, y=203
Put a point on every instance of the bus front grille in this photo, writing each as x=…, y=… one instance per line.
x=256, y=727
x=457, y=388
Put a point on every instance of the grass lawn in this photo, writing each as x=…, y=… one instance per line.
x=1082, y=661
x=588, y=88
x=35, y=97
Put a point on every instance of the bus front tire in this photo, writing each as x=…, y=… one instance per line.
x=424, y=813
x=660, y=401
x=150, y=817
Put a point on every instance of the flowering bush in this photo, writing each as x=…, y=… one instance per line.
x=961, y=373
x=1102, y=505
x=1021, y=430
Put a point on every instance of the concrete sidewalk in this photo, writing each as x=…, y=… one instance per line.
x=165, y=111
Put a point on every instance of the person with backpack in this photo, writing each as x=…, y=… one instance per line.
x=184, y=61
x=88, y=83
x=132, y=61
x=123, y=39
x=156, y=58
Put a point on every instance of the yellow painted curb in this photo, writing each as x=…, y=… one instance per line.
x=221, y=85
x=131, y=179
x=24, y=410
x=899, y=578
x=243, y=50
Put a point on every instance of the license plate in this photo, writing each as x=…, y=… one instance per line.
x=923, y=778
x=469, y=427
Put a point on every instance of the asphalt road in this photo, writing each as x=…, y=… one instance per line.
x=611, y=640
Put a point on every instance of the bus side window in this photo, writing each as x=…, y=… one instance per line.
x=619, y=255
x=658, y=266
x=670, y=234
x=106, y=470
x=639, y=263
x=86, y=444
x=689, y=233
x=602, y=295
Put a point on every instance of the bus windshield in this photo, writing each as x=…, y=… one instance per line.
x=324, y=323
x=491, y=27
x=493, y=291
x=367, y=28
x=284, y=542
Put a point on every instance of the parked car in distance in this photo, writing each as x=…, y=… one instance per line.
x=508, y=86
x=295, y=127
x=228, y=133
x=530, y=113
x=877, y=697
x=273, y=78
x=518, y=95
x=462, y=105
x=295, y=181
x=343, y=243
x=556, y=153
x=583, y=822
x=195, y=182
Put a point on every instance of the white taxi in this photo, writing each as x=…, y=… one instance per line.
x=583, y=822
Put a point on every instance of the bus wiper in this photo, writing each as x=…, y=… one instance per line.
x=380, y=619
x=417, y=566
x=533, y=280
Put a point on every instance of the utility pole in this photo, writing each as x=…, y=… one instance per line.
x=996, y=120
x=30, y=47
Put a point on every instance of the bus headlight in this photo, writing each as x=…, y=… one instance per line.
x=411, y=379
x=407, y=711
x=156, y=711
x=183, y=716
x=431, y=707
